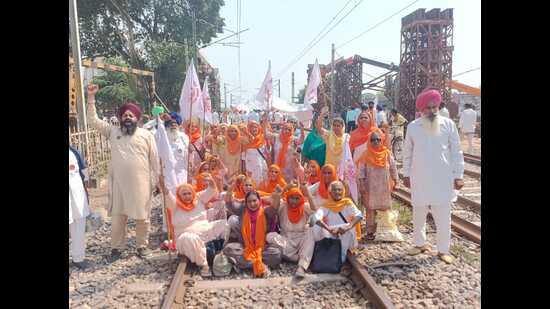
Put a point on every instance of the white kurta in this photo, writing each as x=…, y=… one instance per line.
x=134, y=168
x=256, y=165
x=467, y=121
x=432, y=162
x=193, y=229
x=332, y=219
x=78, y=201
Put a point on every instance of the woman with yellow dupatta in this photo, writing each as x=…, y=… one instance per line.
x=380, y=179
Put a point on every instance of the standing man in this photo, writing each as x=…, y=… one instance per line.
x=467, y=125
x=133, y=174
x=351, y=117
x=380, y=116
x=78, y=207
x=433, y=166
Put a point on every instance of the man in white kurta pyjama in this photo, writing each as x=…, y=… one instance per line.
x=433, y=166
x=78, y=207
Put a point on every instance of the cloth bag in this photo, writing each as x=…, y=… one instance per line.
x=212, y=248
x=386, y=226
x=221, y=266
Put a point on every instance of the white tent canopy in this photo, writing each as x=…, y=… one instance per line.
x=302, y=112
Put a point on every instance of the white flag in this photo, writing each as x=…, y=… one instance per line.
x=190, y=98
x=375, y=112
x=347, y=172
x=207, y=103
x=314, y=81
x=166, y=156
x=265, y=95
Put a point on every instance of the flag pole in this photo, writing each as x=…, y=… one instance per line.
x=189, y=128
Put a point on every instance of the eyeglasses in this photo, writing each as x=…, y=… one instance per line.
x=375, y=140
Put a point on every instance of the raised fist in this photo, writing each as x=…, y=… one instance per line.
x=92, y=89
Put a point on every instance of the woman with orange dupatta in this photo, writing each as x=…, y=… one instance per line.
x=380, y=179
x=251, y=250
x=296, y=238
x=239, y=186
x=256, y=155
x=229, y=148
x=313, y=173
x=191, y=226
x=274, y=178
x=285, y=145
x=319, y=190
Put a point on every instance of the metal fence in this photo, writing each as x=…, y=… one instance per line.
x=100, y=151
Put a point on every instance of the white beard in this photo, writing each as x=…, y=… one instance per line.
x=431, y=127
x=172, y=136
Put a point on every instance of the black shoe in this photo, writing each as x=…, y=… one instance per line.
x=82, y=265
x=144, y=252
x=115, y=255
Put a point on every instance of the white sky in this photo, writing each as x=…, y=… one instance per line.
x=280, y=30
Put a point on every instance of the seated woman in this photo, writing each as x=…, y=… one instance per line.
x=296, y=238
x=319, y=190
x=192, y=229
x=274, y=179
x=215, y=206
x=252, y=222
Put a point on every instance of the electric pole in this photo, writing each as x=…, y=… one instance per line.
x=332, y=82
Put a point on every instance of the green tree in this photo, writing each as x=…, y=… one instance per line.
x=152, y=35
x=115, y=88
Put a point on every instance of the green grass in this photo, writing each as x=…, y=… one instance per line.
x=405, y=213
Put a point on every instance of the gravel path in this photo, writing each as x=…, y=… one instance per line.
x=426, y=282
x=130, y=282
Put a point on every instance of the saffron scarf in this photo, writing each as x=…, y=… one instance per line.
x=254, y=243
x=233, y=145
x=259, y=139
x=314, y=179
x=338, y=206
x=268, y=185
x=334, y=148
x=323, y=186
x=200, y=186
x=285, y=142
x=193, y=136
x=295, y=214
x=179, y=201
x=360, y=135
x=376, y=157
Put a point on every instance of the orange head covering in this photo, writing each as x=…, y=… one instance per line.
x=360, y=135
x=313, y=179
x=179, y=201
x=238, y=192
x=233, y=145
x=259, y=139
x=285, y=138
x=200, y=182
x=323, y=186
x=195, y=135
x=268, y=185
x=375, y=156
x=295, y=213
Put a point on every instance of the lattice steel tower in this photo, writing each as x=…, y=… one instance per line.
x=426, y=56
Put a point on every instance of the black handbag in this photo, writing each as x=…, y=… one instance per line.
x=327, y=255
x=212, y=248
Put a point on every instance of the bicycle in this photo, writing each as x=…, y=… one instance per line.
x=397, y=144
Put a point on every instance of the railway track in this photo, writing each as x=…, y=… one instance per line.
x=183, y=285
x=462, y=226
x=472, y=159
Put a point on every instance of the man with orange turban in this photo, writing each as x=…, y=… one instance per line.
x=433, y=166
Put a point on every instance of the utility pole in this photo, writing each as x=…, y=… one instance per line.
x=75, y=46
x=332, y=80
x=292, y=95
x=231, y=103
x=225, y=94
